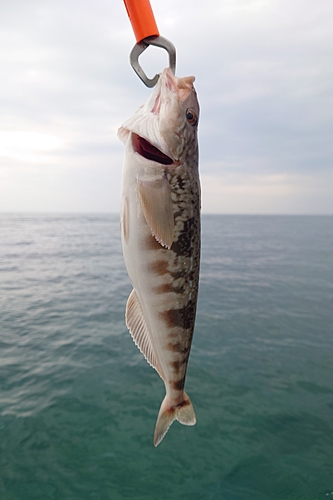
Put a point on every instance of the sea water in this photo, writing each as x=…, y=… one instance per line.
x=78, y=403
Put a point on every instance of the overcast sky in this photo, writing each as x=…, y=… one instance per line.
x=264, y=77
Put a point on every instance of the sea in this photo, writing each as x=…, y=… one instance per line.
x=78, y=402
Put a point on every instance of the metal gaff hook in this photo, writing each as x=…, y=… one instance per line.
x=157, y=41
x=146, y=33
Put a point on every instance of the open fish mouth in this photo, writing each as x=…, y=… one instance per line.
x=148, y=151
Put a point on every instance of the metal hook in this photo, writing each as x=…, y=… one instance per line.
x=158, y=41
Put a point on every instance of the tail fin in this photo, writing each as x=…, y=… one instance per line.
x=183, y=412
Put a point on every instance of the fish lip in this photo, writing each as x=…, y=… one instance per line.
x=182, y=87
x=147, y=150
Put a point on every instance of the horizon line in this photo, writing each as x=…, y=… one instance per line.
x=242, y=214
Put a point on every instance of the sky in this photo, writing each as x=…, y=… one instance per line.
x=264, y=78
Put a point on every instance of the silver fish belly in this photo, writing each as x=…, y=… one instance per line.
x=160, y=230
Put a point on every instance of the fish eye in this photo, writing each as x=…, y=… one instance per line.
x=191, y=116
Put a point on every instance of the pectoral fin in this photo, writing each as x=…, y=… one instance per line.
x=157, y=207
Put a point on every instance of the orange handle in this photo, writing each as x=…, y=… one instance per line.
x=142, y=18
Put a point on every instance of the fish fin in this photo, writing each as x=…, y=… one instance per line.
x=124, y=219
x=157, y=207
x=123, y=134
x=138, y=329
x=183, y=412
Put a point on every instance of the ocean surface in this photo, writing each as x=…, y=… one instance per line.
x=78, y=403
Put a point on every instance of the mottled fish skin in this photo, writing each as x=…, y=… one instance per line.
x=160, y=230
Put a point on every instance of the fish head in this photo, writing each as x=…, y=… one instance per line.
x=178, y=114
x=165, y=128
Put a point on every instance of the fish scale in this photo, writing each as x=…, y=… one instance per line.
x=160, y=229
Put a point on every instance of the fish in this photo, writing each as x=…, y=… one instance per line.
x=160, y=233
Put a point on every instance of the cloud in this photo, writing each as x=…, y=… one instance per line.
x=264, y=79
x=271, y=193
x=28, y=147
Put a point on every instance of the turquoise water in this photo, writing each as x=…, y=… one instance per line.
x=78, y=403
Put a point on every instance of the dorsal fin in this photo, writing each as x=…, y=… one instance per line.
x=136, y=324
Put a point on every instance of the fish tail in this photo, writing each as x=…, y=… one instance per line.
x=183, y=412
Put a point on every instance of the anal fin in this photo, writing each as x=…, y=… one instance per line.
x=138, y=329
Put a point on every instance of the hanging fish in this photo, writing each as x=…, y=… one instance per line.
x=160, y=231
